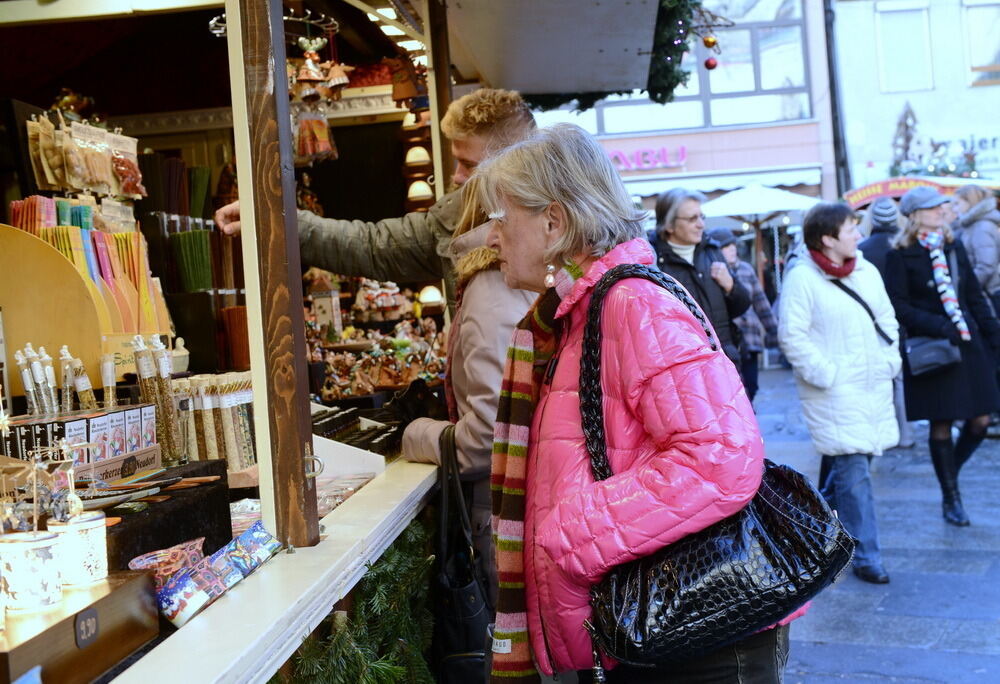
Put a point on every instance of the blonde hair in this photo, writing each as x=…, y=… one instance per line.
x=500, y=116
x=973, y=194
x=472, y=210
x=907, y=235
x=564, y=164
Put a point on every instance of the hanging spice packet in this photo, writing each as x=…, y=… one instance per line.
x=126, y=165
x=52, y=158
x=35, y=155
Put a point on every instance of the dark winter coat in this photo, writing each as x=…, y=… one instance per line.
x=877, y=246
x=963, y=390
x=721, y=308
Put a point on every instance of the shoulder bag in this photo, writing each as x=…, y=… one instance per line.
x=461, y=609
x=925, y=355
x=724, y=583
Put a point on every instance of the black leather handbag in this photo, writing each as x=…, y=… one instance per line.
x=461, y=609
x=926, y=355
x=719, y=585
x=930, y=354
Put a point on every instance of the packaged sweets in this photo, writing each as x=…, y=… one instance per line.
x=165, y=563
x=125, y=162
x=258, y=543
x=181, y=598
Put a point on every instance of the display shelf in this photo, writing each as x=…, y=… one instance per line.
x=254, y=628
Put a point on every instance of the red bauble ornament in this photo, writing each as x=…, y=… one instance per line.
x=711, y=63
x=709, y=41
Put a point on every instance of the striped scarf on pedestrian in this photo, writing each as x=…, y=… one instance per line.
x=933, y=242
x=532, y=347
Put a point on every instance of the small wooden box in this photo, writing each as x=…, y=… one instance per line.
x=89, y=632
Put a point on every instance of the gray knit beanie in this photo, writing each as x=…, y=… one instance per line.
x=884, y=212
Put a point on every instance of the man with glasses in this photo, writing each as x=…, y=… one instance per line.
x=697, y=263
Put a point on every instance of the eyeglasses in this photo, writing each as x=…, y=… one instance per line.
x=691, y=219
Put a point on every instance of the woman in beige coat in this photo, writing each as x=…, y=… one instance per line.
x=480, y=333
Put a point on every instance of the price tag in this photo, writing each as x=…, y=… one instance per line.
x=86, y=627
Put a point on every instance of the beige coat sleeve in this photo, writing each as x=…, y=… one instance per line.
x=490, y=310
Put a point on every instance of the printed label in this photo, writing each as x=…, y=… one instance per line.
x=502, y=645
x=144, y=364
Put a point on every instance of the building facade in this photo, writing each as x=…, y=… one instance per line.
x=936, y=60
x=762, y=115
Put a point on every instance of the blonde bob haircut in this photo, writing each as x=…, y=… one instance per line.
x=908, y=233
x=563, y=164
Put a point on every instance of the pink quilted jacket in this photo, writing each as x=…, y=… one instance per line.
x=683, y=443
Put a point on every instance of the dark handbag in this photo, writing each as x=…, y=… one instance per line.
x=416, y=400
x=461, y=610
x=719, y=585
x=929, y=354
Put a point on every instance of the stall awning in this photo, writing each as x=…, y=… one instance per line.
x=553, y=46
x=646, y=186
x=897, y=187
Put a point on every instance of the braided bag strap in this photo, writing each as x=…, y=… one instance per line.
x=591, y=395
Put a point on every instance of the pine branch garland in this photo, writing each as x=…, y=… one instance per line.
x=384, y=638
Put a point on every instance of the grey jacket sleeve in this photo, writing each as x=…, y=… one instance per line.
x=407, y=249
x=981, y=243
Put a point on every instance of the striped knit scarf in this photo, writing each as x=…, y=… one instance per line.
x=933, y=242
x=532, y=346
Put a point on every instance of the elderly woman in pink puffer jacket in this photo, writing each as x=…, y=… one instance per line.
x=682, y=438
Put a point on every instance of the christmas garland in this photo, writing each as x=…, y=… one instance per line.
x=383, y=639
x=675, y=19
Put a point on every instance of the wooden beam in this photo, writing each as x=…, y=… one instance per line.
x=274, y=292
x=368, y=9
x=34, y=11
x=439, y=72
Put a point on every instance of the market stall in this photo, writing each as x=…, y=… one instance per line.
x=239, y=602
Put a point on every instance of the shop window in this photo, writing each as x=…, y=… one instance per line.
x=653, y=117
x=982, y=21
x=903, y=45
x=733, y=111
x=735, y=73
x=781, y=63
x=586, y=120
x=742, y=11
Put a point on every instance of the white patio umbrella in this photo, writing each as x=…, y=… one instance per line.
x=756, y=204
x=757, y=200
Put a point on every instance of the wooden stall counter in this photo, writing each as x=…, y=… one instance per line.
x=254, y=628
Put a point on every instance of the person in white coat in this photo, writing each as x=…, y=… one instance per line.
x=838, y=329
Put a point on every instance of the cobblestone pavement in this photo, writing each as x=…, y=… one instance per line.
x=939, y=618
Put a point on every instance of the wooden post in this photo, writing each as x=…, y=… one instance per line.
x=263, y=139
x=439, y=70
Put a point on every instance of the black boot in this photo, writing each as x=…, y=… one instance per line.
x=968, y=441
x=943, y=457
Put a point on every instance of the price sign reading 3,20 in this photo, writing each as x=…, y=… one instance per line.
x=86, y=627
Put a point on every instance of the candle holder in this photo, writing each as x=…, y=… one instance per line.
x=82, y=548
x=30, y=571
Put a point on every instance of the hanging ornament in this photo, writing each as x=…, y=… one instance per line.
x=711, y=63
x=710, y=41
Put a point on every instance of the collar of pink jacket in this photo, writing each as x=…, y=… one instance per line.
x=637, y=251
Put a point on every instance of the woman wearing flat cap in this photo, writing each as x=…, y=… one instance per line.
x=936, y=295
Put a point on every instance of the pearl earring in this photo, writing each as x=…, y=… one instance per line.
x=550, y=275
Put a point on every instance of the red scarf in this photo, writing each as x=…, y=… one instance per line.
x=831, y=268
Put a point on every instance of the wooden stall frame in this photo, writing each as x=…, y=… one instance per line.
x=273, y=290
